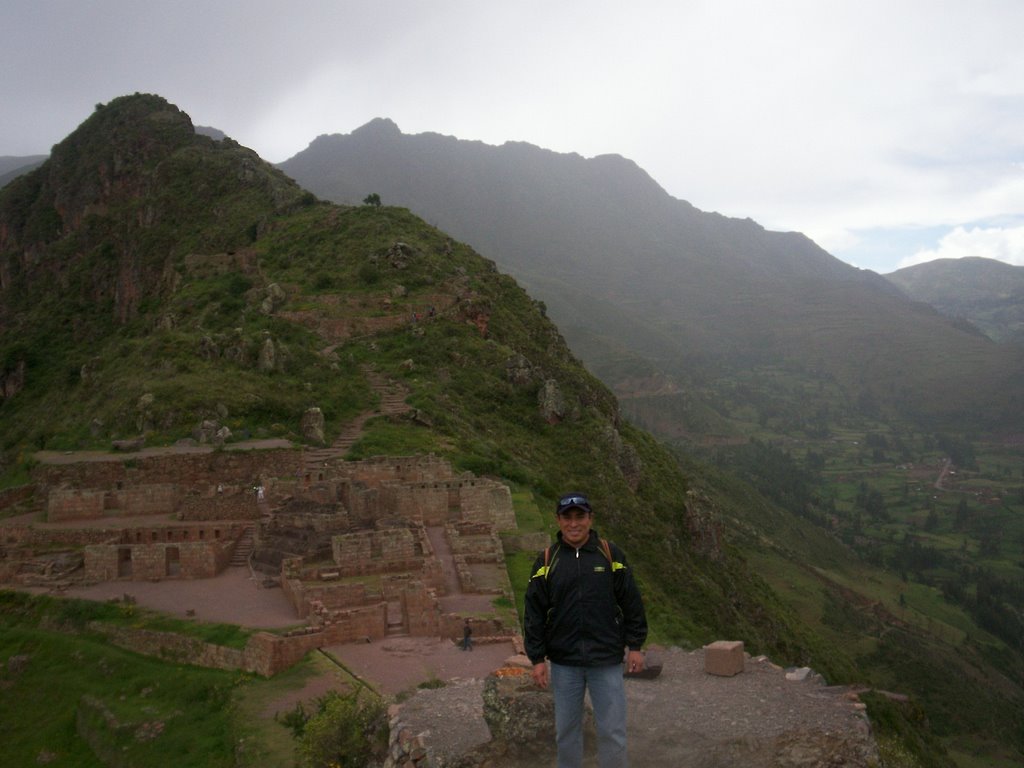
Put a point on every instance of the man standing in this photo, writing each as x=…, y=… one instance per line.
x=583, y=610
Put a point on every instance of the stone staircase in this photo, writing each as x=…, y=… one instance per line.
x=240, y=557
x=392, y=403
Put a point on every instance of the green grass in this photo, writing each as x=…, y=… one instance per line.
x=184, y=709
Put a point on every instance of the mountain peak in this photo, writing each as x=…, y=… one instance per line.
x=379, y=126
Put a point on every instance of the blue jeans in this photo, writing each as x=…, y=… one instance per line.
x=608, y=696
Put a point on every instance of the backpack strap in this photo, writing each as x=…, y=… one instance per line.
x=548, y=566
x=543, y=571
x=606, y=548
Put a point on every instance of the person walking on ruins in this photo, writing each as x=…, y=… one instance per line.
x=467, y=636
x=584, y=612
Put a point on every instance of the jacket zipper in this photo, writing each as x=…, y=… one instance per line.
x=579, y=602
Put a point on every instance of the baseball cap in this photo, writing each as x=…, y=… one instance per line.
x=570, y=500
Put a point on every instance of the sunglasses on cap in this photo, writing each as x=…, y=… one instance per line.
x=577, y=500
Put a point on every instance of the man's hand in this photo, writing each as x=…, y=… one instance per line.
x=635, y=661
x=540, y=674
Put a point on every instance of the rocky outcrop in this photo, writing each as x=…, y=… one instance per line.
x=684, y=717
x=626, y=457
x=551, y=402
x=520, y=372
x=312, y=426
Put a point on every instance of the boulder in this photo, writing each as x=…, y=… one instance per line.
x=206, y=431
x=133, y=444
x=273, y=300
x=312, y=426
x=267, y=360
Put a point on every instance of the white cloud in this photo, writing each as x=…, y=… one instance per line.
x=1001, y=243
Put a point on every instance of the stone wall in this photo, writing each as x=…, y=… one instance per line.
x=202, y=471
x=11, y=496
x=486, y=501
x=25, y=537
x=240, y=505
x=265, y=653
x=309, y=596
x=484, y=630
x=422, y=503
x=70, y=504
x=378, y=551
x=171, y=646
x=162, y=553
x=410, y=469
x=420, y=611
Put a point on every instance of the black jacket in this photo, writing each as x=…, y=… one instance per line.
x=583, y=611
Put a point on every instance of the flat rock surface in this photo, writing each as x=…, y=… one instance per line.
x=686, y=718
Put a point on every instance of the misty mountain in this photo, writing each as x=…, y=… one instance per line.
x=660, y=298
x=152, y=278
x=11, y=167
x=987, y=293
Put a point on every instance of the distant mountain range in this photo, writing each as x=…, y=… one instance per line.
x=11, y=167
x=661, y=299
x=986, y=293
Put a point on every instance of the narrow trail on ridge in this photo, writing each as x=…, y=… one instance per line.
x=392, y=403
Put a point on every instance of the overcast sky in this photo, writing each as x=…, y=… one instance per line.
x=889, y=131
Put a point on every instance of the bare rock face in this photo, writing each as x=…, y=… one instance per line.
x=520, y=716
x=626, y=457
x=312, y=426
x=551, y=402
x=520, y=372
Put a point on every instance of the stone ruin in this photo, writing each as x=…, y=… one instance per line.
x=361, y=549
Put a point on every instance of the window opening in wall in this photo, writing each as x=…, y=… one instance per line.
x=172, y=561
x=202, y=534
x=216, y=533
x=155, y=535
x=124, y=562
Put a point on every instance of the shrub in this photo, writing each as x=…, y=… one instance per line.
x=345, y=731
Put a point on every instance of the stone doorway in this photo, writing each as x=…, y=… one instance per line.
x=124, y=562
x=172, y=561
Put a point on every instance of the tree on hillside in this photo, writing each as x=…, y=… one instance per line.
x=372, y=199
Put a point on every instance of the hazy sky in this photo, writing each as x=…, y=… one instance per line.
x=891, y=131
